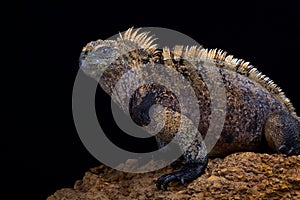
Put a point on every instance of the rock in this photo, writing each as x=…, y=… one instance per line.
x=237, y=176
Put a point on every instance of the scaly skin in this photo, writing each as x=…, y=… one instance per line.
x=257, y=112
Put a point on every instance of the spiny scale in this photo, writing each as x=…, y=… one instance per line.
x=198, y=53
x=141, y=40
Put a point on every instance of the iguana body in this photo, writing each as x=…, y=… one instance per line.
x=257, y=112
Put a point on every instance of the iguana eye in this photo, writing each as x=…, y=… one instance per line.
x=104, y=52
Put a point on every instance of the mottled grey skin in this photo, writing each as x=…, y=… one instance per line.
x=255, y=117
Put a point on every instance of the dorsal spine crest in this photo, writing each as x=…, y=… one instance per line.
x=198, y=53
x=138, y=40
x=222, y=60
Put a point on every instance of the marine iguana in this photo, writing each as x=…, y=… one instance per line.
x=258, y=113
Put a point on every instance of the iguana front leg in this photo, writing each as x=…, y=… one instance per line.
x=194, y=153
x=282, y=132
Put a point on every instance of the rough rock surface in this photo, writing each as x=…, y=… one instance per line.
x=237, y=176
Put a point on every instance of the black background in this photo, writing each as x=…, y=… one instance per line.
x=42, y=151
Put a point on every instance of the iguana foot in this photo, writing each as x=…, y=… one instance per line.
x=188, y=173
x=288, y=151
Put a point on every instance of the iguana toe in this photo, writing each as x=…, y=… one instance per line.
x=188, y=173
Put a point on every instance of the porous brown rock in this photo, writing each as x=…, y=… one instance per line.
x=238, y=176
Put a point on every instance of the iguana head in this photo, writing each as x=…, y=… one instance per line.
x=98, y=55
